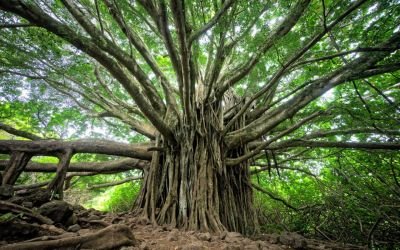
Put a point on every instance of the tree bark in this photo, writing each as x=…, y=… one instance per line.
x=54, y=147
x=189, y=186
x=56, y=185
x=15, y=167
x=95, y=167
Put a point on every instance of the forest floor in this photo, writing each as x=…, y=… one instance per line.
x=59, y=225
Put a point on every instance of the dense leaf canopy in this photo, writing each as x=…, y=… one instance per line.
x=266, y=54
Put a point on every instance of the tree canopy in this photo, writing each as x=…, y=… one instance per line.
x=277, y=58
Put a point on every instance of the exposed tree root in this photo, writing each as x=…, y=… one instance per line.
x=98, y=222
x=108, y=238
x=7, y=206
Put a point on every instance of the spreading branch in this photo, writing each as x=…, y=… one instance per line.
x=329, y=144
x=115, y=183
x=37, y=16
x=54, y=147
x=86, y=167
x=286, y=25
x=352, y=70
x=19, y=133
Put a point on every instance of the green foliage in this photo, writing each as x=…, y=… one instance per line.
x=116, y=199
x=4, y=218
x=350, y=193
x=337, y=195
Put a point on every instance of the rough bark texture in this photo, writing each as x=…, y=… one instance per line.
x=112, y=237
x=189, y=185
x=15, y=167
x=55, y=147
x=95, y=167
x=56, y=185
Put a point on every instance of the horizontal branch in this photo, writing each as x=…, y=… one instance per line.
x=31, y=186
x=354, y=70
x=274, y=80
x=19, y=133
x=380, y=69
x=263, y=167
x=274, y=196
x=328, y=144
x=92, y=167
x=339, y=54
x=115, y=183
x=264, y=144
x=326, y=133
x=53, y=147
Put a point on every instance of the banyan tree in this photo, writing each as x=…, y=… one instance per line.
x=214, y=86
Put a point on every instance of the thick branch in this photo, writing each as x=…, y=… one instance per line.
x=53, y=147
x=161, y=19
x=19, y=133
x=272, y=83
x=326, y=133
x=276, y=35
x=15, y=25
x=178, y=11
x=141, y=48
x=348, y=72
x=130, y=63
x=328, y=144
x=262, y=145
x=30, y=186
x=35, y=15
x=83, y=167
x=56, y=185
x=377, y=70
x=121, y=235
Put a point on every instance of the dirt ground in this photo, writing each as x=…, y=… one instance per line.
x=59, y=225
x=164, y=238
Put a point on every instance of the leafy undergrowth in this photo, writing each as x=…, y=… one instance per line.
x=115, y=199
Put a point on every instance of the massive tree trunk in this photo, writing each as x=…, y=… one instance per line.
x=189, y=185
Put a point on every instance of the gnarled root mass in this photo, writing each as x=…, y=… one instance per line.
x=110, y=237
x=59, y=225
x=189, y=186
